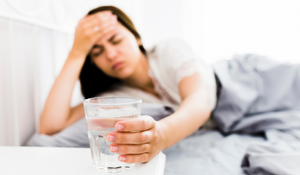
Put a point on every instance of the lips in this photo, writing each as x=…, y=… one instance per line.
x=117, y=66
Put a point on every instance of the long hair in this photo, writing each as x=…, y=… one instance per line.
x=92, y=79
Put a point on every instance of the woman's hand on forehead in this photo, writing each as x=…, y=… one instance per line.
x=103, y=16
x=91, y=29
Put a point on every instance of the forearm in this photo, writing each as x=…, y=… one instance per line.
x=57, y=106
x=76, y=114
x=191, y=114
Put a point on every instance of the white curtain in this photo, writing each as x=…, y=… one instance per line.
x=36, y=36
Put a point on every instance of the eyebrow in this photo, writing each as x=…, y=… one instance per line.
x=97, y=46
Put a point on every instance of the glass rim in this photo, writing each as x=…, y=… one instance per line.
x=86, y=101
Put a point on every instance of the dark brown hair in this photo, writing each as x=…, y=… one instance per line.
x=92, y=79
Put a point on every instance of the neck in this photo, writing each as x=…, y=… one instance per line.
x=140, y=78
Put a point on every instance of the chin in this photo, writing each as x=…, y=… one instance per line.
x=124, y=74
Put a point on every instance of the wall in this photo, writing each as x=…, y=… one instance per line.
x=220, y=28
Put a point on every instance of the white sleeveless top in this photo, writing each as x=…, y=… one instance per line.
x=170, y=61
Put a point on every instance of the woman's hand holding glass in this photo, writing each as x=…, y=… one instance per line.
x=137, y=140
x=90, y=30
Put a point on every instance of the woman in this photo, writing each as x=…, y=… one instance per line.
x=254, y=93
x=108, y=51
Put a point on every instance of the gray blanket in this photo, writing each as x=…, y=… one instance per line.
x=260, y=95
x=208, y=152
x=280, y=155
x=258, y=119
x=257, y=94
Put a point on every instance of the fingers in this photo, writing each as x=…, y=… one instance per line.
x=134, y=147
x=130, y=149
x=90, y=24
x=139, y=124
x=102, y=31
x=88, y=28
x=131, y=158
x=104, y=15
x=106, y=32
x=130, y=138
x=98, y=19
x=92, y=28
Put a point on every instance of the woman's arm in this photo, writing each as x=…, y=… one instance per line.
x=156, y=136
x=193, y=112
x=57, y=113
x=57, y=107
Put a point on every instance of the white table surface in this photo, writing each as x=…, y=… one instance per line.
x=63, y=161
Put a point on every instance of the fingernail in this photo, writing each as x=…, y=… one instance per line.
x=114, y=149
x=111, y=138
x=122, y=158
x=120, y=127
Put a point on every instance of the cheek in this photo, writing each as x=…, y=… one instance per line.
x=103, y=65
x=131, y=51
x=124, y=73
x=135, y=47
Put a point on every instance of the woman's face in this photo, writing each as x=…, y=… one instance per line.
x=118, y=55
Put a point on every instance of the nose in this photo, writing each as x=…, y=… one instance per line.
x=111, y=52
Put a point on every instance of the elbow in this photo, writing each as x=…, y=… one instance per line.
x=50, y=126
x=48, y=129
x=45, y=130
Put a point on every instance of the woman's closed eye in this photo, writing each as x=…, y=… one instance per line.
x=116, y=41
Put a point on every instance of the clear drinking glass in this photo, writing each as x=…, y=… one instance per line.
x=101, y=114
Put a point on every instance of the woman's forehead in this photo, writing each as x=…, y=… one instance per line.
x=120, y=30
